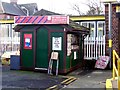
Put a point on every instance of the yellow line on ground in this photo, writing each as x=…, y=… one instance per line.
x=51, y=88
x=109, y=84
x=70, y=81
x=66, y=80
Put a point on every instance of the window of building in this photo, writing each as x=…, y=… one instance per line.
x=99, y=31
x=100, y=28
x=84, y=24
x=6, y=30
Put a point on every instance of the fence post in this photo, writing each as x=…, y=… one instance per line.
x=113, y=65
x=104, y=44
x=118, y=74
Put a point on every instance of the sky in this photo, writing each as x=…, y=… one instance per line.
x=58, y=6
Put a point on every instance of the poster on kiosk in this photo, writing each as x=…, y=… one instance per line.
x=27, y=41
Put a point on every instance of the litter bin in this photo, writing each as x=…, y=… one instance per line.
x=15, y=62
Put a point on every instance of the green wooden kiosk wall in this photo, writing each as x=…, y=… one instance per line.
x=39, y=55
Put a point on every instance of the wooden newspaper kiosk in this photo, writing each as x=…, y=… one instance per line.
x=41, y=35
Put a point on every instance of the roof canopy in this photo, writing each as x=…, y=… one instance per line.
x=61, y=20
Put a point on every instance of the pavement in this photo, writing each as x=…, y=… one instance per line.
x=29, y=80
x=90, y=79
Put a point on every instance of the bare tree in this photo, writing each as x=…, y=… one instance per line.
x=93, y=5
x=77, y=8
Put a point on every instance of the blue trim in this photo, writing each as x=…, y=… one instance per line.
x=45, y=21
x=41, y=19
x=23, y=19
x=29, y=19
x=35, y=19
x=17, y=19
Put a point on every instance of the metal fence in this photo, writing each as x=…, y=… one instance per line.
x=116, y=68
x=94, y=47
x=9, y=44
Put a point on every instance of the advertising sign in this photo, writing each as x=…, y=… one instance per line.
x=58, y=19
x=27, y=41
x=102, y=62
x=57, y=43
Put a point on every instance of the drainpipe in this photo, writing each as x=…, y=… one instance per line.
x=110, y=32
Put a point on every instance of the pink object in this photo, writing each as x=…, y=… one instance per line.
x=58, y=19
x=102, y=62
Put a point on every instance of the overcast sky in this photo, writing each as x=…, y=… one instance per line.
x=58, y=6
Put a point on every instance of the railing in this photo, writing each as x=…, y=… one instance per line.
x=9, y=44
x=9, y=40
x=94, y=47
x=116, y=69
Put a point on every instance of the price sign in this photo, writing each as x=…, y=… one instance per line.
x=57, y=43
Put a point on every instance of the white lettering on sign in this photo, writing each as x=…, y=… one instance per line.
x=56, y=43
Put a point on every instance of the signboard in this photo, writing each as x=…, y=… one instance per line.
x=59, y=19
x=27, y=41
x=57, y=43
x=54, y=55
x=102, y=62
x=75, y=55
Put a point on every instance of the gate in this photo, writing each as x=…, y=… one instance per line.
x=94, y=47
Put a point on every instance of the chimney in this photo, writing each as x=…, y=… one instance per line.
x=13, y=1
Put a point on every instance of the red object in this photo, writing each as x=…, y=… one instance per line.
x=41, y=19
x=27, y=41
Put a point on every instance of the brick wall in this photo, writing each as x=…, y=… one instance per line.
x=115, y=29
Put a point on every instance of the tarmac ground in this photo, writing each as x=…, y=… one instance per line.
x=17, y=79
x=29, y=80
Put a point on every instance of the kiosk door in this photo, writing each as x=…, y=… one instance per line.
x=41, y=49
x=27, y=50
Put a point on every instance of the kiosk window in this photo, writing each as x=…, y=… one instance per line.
x=72, y=43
